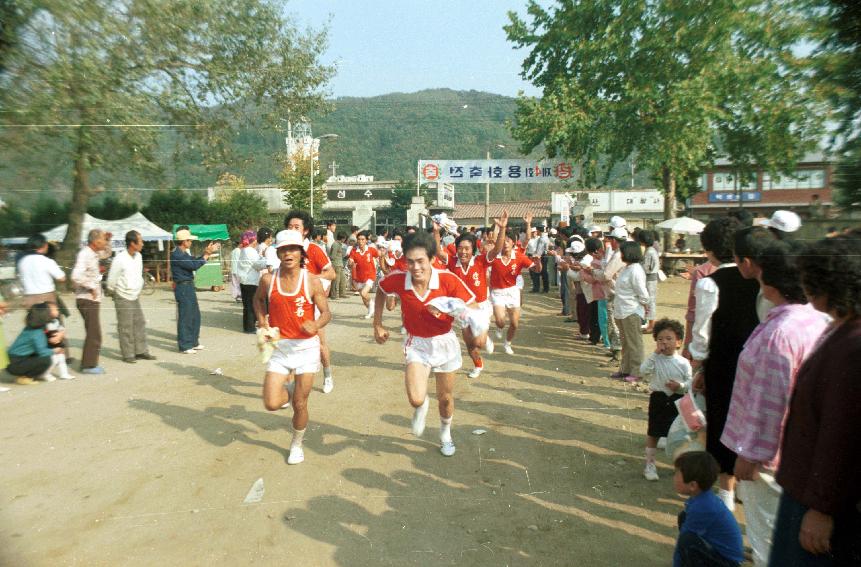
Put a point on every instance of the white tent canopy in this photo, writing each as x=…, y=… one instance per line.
x=682, y=225
x=149, y=231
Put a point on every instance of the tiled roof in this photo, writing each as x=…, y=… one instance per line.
x=772, y=198
x=516, y=209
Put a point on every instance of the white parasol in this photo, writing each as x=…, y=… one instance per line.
x=682, y=225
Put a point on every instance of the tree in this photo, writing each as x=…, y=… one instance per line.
x=234, y=206
x=13, y=221
x=838, y=61
x=176, y=206
x=295, y=183
x=108, y=77
x=402, y=199
x=112, y=207
x=667, y=81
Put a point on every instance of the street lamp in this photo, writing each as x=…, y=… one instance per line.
x=487, y=192
x=323, y=137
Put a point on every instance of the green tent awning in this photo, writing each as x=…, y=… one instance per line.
x=206, y=231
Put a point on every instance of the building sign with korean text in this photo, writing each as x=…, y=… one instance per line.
x=746, y=196
x=496, y=171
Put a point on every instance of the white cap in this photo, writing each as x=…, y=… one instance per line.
x=574, y=237
x=289, y=238
x=576, y=247
x=617, y=222
x=595, y=228
x=619, y=234
x=784, y=221
x=533, y=229
x=552, y=231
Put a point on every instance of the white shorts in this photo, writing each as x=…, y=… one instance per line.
x=297, y=356
x=362, y=285
x=508, y=297
x=440, y=353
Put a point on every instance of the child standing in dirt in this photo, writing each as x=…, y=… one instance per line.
x=669, y=376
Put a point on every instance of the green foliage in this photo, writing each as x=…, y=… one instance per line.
x=112, y=207
x=664, y=80
x=402, y=198
x=176, y=206
x=13, y=221
x=837, y=74
x=46, y=214
x=240, y=211
x=110, y=72
x=295, y=183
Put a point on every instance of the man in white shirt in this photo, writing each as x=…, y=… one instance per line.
x=88, y=297
x=38, y=273
x=125, y=282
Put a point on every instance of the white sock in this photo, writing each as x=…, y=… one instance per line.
x=728, y=498
x=60, y=364
x=327, y=372
x=650, y=454
x=298, y=435
x=371, y=308
x=445, y=429
x=507, y=343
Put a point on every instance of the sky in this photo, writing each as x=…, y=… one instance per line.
x=384, y=46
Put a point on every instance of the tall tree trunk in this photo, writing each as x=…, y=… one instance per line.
x=80, y=200
x=669, y=186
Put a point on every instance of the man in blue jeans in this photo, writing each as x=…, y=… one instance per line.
x=182, y=268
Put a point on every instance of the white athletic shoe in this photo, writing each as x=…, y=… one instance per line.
x=369, y=315
x=507, y=348
x=651, y=472
x=189, y=351
x=475, y=373
x=419, y=416
x=199, y=347
x=447, y=448
x=46, y=377
x=297, y=455
x=498, y=334
x=489, y=346
x=66, y=377
x=328, y=384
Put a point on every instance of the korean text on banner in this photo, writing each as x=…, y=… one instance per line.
x=496, y=171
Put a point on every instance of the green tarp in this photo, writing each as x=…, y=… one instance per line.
x=206, y=231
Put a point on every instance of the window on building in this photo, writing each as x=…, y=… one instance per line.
x=801, y=179
x=727, y=182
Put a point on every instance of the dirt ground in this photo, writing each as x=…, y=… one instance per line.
x=150, y=463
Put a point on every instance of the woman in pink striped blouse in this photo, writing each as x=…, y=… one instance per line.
x=764, y=380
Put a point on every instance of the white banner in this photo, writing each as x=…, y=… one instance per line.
x=496, y=171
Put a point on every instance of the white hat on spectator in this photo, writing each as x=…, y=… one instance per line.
x=617, y=222
x=595, y=228
x=576, y=247
x=784, y=221
x=289, y=238
x=183, y=235
x=619, y=234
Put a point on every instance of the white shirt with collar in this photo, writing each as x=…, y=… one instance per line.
x=126, y=275
x=632, y=296
x=249, y=266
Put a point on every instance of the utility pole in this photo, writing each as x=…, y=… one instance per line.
x=487, y=198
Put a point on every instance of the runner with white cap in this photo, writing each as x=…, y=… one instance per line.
x=289, y=300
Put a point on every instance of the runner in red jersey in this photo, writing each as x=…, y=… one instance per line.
x=471, y=266
x=317, y=263
x=430, y=345
x=290, y=299
x=363, y=262
x=505, y=295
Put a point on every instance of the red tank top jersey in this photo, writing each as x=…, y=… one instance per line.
x=418, y=321
x=316, y=258
x=288, y=311
x=365, y=269
x=504, y=274
x=474, y=276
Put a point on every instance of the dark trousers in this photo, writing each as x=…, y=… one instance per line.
x=563, y=293
x=594, y=327
x=545, y=277
x=694, y=551
x=339, y=284
x=89, y=311
x=31, y=366
x=786, y=550
x=248, y=317
x=582, y=314
x=536, y=281
x=131, y=327
x=187, y=317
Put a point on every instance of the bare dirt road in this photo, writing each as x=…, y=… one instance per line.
x=150, y=463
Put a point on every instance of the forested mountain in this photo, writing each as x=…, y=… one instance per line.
x=382, y=136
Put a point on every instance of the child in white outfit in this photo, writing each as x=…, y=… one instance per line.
x=669, y=376
x=56, y=333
